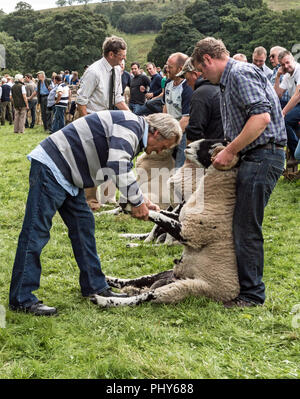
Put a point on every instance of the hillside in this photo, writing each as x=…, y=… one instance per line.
x=279, y=5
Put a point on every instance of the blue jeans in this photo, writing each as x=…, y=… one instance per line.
x=257, y=176
x=32, y=107
x=136, y=108
x=58, y=118
x=45, y=197
x=180, y=156
x=292, y=120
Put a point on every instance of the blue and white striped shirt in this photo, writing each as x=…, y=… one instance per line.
x=96, y=147
x=246, y=91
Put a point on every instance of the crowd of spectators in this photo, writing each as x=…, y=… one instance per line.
x=53, y=100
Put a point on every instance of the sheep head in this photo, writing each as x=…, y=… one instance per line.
x=201, y=151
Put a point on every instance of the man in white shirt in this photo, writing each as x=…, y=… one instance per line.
x=101, y=89
x=290, y=83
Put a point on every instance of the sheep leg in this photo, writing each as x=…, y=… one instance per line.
x=181, y=289
x=140, y=282
x=170, y=225
x=109, y=302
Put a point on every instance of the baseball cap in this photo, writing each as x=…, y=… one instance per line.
x=187, y=67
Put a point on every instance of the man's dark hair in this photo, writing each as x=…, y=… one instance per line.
x=28, y=75
x=58, y=78
x=135, y=63
x=114, y=44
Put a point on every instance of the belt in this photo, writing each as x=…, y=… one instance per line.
x=44, y=95
x=268, y=146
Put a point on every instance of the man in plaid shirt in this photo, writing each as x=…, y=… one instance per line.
x=253, y=122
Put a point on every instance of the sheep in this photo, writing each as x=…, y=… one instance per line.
x=204, y=227
x=153, y=171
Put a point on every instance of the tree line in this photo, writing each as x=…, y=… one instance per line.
x=241, y=24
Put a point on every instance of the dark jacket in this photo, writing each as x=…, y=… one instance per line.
x=6, y=90
x=16, y=92
x=205, y=114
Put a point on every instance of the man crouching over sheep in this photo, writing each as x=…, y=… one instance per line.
x=83, y=154
x=253, y=122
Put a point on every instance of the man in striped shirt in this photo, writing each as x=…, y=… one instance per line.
x=61, y=103
x=83, y=154
x=253, y=122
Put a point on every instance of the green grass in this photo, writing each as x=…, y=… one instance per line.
x=197, y=338
x=138, y=46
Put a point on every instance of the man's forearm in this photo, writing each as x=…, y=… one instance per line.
x=293, y=102
x=278, y=89
x=122, y=106
x=253, y=128
x=184, y=121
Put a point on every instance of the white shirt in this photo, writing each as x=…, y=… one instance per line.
x=290, y=82
x=95, y=86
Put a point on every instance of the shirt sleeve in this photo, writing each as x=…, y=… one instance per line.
x=88, y=84
x=283, y=85
x=248, y=90
x=123, y=143
x=24, y=90
x=118, y=86
x=186, y=96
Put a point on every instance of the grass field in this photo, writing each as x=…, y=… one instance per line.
x=196, y=339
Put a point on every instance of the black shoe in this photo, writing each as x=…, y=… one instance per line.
x=38, y=309
x=109, y=293
x=240, y=303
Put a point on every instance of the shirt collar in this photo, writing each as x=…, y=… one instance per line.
x=145, y=135
x=107, y=65
x=225, y=74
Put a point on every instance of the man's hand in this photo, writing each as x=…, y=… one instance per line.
x=151, y=206
x=142, y=89
x=140, y=212
x=149, y=96
x=280, y=72
x=223, y=158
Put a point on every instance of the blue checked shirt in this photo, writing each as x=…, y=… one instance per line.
x=246, y=91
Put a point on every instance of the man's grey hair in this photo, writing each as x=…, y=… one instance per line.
x=278, y=49
x=240, y=57
x=41, y=73
x=283, y=53
x=167, y=126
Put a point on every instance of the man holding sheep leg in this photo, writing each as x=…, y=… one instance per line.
x=252, y=120
x=83, y=154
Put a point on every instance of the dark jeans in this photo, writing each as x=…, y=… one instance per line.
x=135, y=108
x=292, y=120
x=45, y=197
x=58, y=118
x=46, y=116
x=257, y=176
x=32, y=106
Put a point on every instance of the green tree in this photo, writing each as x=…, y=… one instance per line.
x=177, y=35
x=76, y=39
x=61, y=3
x=13, y=52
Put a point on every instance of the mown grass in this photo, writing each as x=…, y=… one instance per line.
x=197, y=338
